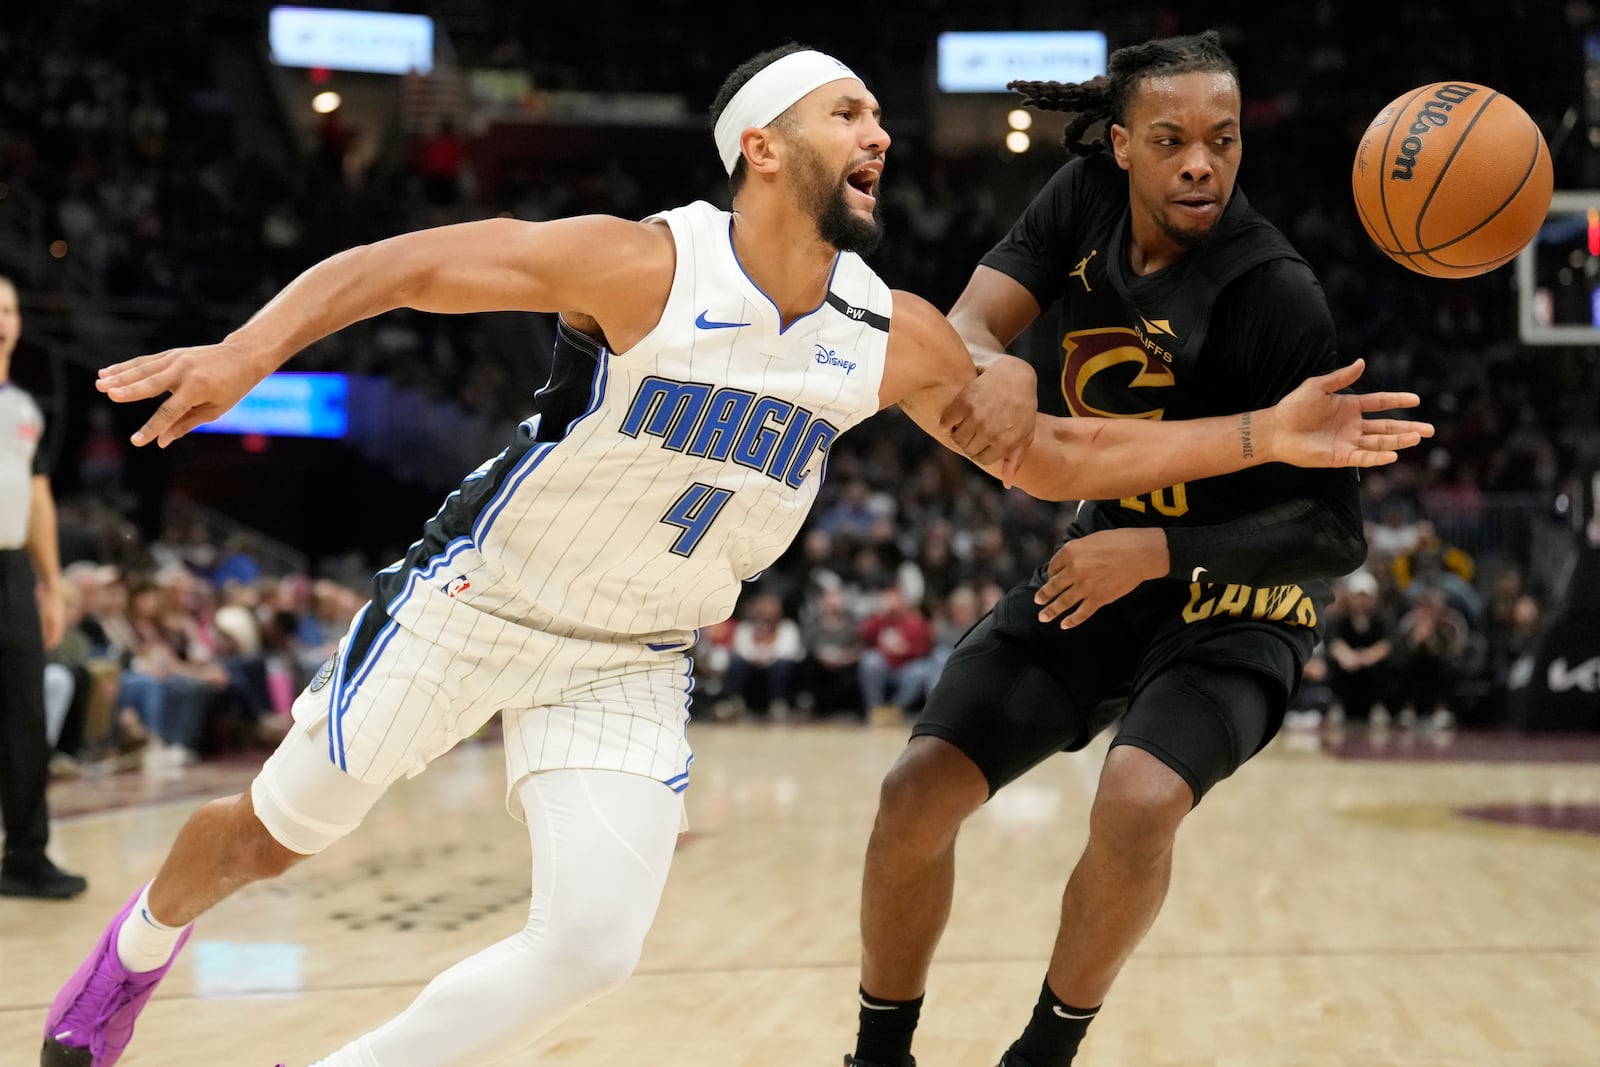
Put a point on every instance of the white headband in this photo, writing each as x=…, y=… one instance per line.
x=769, y=94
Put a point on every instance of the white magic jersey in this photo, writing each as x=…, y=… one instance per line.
x=701, y=453
x=561, y=585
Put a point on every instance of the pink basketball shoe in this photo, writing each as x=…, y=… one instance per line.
x=91, y=1020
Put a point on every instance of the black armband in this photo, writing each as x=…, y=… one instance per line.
x=1290, y=542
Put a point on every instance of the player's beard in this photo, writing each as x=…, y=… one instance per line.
x=825, y=197
x=1188, y=239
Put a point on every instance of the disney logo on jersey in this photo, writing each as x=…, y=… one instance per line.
x=1105, y=370
x=777, y=437
x=456, y=586
x=826, y=357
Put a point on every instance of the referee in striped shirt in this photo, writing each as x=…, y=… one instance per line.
x=32, y=618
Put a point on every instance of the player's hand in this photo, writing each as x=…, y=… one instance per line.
x=52, y=615
x=1089, y=572
x=992, y=419
x=203, y=382
x=1318, y=426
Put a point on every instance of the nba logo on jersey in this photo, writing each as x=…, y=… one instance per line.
x=456, y=586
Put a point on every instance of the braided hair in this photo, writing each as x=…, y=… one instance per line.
x=1105, y=98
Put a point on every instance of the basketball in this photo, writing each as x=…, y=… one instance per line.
x=1452, y=179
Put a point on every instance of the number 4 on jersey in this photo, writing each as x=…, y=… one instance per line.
x=693, y=513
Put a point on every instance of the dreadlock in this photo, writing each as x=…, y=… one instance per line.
x=1105, y=98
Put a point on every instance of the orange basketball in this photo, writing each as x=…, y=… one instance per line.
x=1452, y=179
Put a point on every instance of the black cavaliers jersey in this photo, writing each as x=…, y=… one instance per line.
x=1233, y=325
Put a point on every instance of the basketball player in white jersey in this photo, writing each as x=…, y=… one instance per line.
x=561, y=585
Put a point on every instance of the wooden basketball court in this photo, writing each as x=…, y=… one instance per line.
x=1409, y=903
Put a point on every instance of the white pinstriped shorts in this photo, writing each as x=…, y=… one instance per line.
x=404, y=689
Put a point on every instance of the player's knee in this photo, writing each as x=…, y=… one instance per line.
x=305, y=803
x=594, y=951
x=1139, y=805
x=930, y=791
x=609, y=961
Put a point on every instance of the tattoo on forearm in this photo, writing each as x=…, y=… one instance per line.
x=1244, y=435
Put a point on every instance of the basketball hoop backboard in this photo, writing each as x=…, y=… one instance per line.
x=1558, y=274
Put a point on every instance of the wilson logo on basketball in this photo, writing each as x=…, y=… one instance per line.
x=1436, y=112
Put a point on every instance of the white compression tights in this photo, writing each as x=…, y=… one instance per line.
x=602, y=842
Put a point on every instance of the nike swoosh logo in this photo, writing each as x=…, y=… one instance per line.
x=877, y=1007
x=1069, y=1015
x=706, y=324
x=1198, y=571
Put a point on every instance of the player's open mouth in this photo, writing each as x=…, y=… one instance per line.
x=864, y=180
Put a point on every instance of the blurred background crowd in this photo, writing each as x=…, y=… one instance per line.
x=159, y=178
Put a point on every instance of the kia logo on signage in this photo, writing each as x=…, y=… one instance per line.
x=1584, y=676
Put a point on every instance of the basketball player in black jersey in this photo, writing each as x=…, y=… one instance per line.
x=1190, y=611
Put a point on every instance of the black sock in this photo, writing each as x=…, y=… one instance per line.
x=887, y=1027
x=1053, y=1034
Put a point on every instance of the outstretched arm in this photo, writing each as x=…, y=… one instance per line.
x=616, y=271
x=1100, y=459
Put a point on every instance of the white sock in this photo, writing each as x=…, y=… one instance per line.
x=143, y=944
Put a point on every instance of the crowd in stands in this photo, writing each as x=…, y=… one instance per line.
x=187, y=646
x=1413, y=640
x=181, y=647
x=119, y=123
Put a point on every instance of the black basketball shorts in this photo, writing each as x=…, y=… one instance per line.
x=1009, y=701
